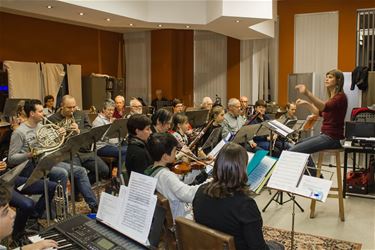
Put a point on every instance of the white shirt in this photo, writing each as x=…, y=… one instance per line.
x=177, y=192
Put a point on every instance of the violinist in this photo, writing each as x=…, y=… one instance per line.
x=180, y=126
x=244, y=107
x=161, y=121
x=232, y=119
x=162, y=148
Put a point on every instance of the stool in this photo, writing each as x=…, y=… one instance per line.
x=337, y=189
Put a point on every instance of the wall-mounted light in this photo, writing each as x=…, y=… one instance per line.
x=159, y=25
x=49, y=7
x=108, y=19
x=81, y=13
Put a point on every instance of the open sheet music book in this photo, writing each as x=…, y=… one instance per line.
x=288, y=176
x=132, y=211
x=259, y=169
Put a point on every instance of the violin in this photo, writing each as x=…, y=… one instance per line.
x=181, y=168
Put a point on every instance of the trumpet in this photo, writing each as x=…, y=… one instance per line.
x=59, y=199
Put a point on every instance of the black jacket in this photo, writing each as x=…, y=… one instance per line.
x=137, y=156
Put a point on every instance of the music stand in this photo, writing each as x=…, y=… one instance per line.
x=291, y=123
x=118, y=130
x=97, y=134
x=197, y=118
x=10, y=107
x=10, y=176
x=162, y=104
x=212, y=139
x=247, y=132
x=42, y=168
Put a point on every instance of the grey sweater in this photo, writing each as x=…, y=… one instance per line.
x=22, y=139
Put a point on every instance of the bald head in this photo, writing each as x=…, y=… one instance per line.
x=68, y=105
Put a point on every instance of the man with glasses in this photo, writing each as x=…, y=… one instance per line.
x=135, y=107
x=233, y=120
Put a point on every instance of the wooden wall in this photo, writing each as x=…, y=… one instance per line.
x=346, y=40
x=31, y=39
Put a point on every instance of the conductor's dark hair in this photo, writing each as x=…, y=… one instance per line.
x=161, y=143
x=137, y=121
x=30, y=105
x=161, y=115
x=5, y=194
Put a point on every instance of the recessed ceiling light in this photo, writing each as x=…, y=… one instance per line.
x=159, y=25
x=187, y=26
x=130, y=24
x=81, y=13
x=237, y=21
x=49, y=7
x=108, y=19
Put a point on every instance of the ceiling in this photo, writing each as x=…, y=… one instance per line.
x=126, y=16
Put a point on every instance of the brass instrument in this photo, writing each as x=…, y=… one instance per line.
x=49, y=138
x=67, y=125
x=59, y=199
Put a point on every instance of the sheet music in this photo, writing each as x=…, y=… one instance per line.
x=217, y=148
x=280, y=128
x=314, y=188
x=257, y=176
x=138, y=210
x=288, y=171
x=132, y=211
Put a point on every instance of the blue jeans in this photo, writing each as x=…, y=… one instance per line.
x=87, y=160
x=315, y=144
x=81, y=181
x=25, y=206
x=112, y=151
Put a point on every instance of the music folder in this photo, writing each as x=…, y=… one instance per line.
x=133, y=212
x=213, y=139
x=288, y=176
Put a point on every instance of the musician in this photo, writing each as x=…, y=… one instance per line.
x=79, y=122
x=178, y=106
x=333, y=112
x=135, y=107
x=180, y=125
x=108, y=148
x=207, y=103
x=291, y=109
x=244, y=107
x=162, y=148
x=20, y=116
x=120, y=107
x=138, y=157
x=232, y=119
x=26, y=207
x=48, y=108
x=7, y=220
x=159, y=98
x=225, y=204
x=161, y=121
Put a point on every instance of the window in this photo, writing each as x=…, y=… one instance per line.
x=365, y=55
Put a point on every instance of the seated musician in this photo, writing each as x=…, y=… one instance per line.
x=7, y=219
x=232, y=119
x=137, y=156
x=290, y=109
x=48, y=108
x=180, y=126
x=108, y=148
x=120, y=107
x=159, y=98
x=244, y=107
x=77, y=121
x=163, y=148
x=26, y=207
x=225, y=204
x=178, y=106
x=217, y=115
x=25, y=137
x=333, y=112
x=207, y=103
x=161, y=121
x=135, y=107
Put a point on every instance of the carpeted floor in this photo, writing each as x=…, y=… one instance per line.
x=307, y=241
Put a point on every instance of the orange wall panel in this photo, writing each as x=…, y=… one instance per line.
x=31, y=39
x=233, y=67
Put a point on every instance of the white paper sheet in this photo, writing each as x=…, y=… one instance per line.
x=314, y=188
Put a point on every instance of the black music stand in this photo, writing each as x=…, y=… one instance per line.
x=278, y=196
x=118, y=130
x=247, y=132
x=161, y=104
x=44, y=165
x=197, y=118
x=10, y=107
x=10, y=176
x=213, y=139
